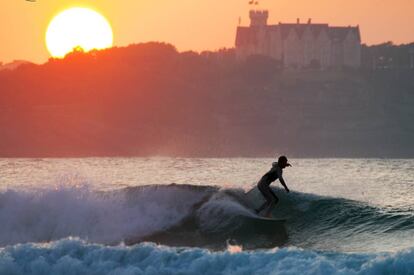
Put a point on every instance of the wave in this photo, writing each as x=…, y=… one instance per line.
x=200, y=216
x=74, y=256
x=319, y=222
x=96, y=216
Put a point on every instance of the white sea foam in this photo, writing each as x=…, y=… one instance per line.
x=220, y=211
x=104, y=218
x=72, y=256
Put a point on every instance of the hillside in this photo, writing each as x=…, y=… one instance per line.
x=149, y=99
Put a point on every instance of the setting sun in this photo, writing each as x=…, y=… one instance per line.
x=78, y=27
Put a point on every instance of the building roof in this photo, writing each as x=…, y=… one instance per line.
x=339, y=33
x=249, y=35
x=286, y=28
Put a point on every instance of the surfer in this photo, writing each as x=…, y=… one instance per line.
x=264, y=185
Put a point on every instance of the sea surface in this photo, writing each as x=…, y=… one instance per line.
x=193, y=216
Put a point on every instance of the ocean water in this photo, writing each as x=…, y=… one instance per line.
x=193, y=216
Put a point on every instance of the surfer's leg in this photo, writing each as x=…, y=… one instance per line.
x=262, y=188
x=267, y=193
x=262, y=207
x=272, y=204
x=269, y=210
x=275, y=198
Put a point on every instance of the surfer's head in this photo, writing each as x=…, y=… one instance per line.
x=283, y=162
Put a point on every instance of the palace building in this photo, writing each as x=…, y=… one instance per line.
x=299, y=45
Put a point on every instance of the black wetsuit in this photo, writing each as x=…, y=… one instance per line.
x=264, y=186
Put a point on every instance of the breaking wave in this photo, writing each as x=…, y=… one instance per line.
x=200, y=216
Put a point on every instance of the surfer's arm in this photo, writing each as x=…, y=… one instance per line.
x=282, y=181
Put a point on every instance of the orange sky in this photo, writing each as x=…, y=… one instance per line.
x=196, y=24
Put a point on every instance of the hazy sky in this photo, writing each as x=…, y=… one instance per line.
x=196, y=24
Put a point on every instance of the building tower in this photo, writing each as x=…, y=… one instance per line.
x=258, y=17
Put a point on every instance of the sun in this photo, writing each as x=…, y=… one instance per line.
x=78, y=27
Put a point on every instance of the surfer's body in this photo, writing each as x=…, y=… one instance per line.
x=264, y=185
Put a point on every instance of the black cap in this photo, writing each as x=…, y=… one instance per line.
x=283, y=159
